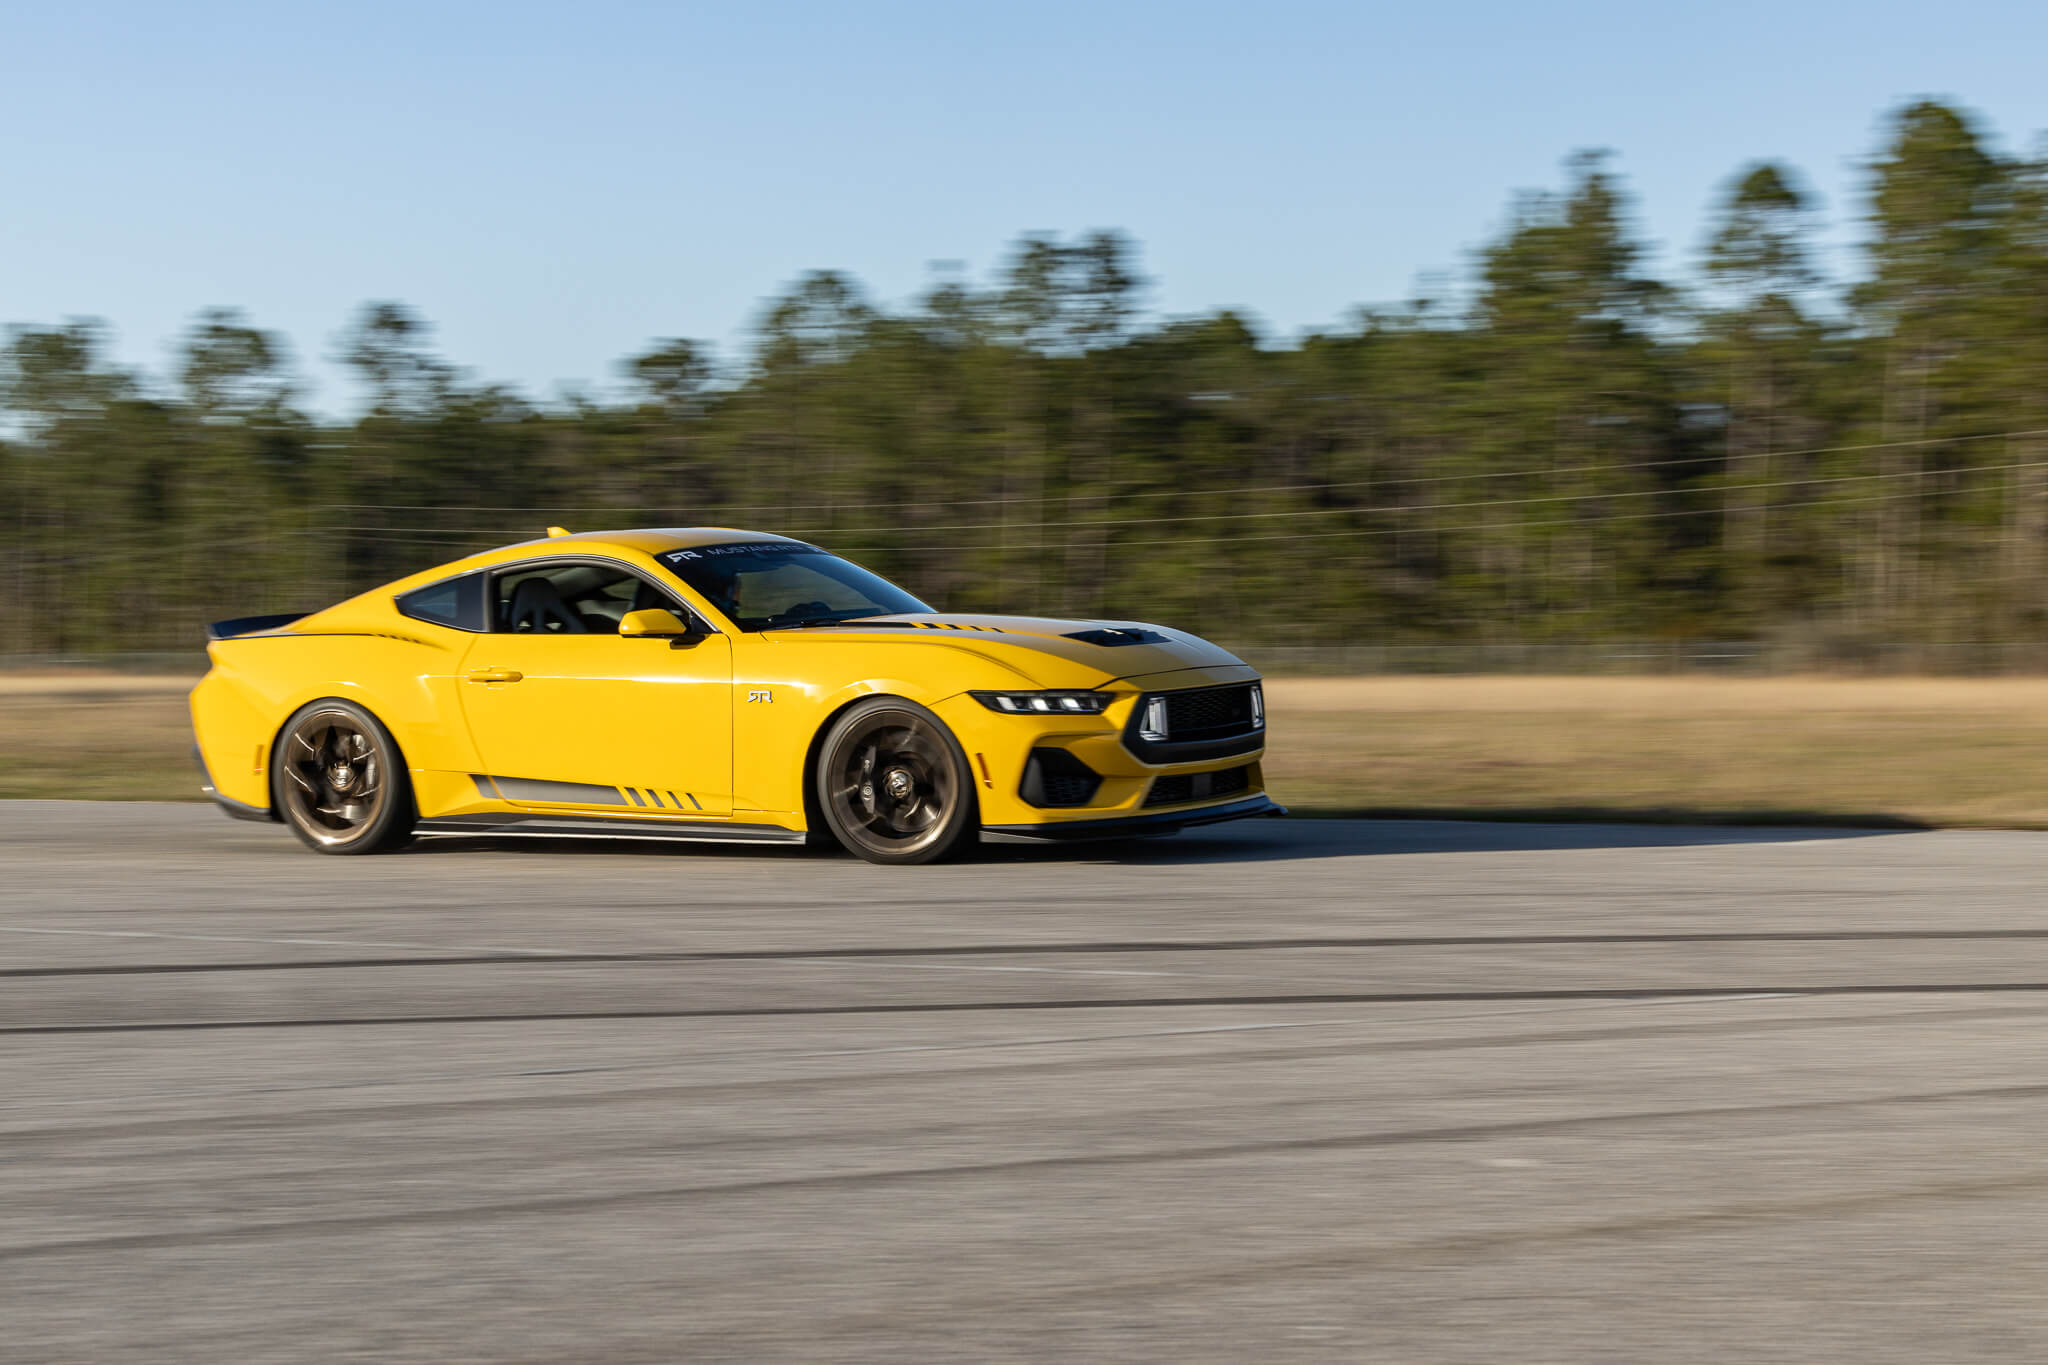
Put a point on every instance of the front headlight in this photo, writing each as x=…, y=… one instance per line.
x=1045, y=703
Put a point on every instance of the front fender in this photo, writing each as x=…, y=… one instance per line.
x=786, y=690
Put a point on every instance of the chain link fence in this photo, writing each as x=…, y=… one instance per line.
x=1733, y=657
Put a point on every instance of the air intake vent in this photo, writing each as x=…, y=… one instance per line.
x=1180, y=787
x=1054, y=777
x=1117, y=635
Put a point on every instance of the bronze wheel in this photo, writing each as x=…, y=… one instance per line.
x=338, y=781
x=893, y=784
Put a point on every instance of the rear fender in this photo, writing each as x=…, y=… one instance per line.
x=409, y=684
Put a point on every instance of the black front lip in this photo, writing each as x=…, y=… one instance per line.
x=1133, y=826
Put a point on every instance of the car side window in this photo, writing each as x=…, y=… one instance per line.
x=570, y=599
x=457, y=602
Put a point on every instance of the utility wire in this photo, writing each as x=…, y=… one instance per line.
x=1403, y=510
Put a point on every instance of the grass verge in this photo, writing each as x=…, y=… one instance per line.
x=1897, y=753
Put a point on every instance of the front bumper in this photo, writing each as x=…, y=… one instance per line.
x=1001, y=750
x=1131, y=826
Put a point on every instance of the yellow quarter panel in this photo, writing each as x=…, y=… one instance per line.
x=406, y=680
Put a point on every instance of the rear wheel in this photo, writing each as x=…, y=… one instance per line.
x=337, y=778
x=893, y=784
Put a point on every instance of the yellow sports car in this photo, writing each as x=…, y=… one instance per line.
x=718, y=685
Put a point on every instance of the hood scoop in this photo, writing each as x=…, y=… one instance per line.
x=1117, y=635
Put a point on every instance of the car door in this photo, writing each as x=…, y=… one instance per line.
x=566, y=712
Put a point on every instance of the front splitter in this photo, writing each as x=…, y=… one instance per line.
x=1131, y=826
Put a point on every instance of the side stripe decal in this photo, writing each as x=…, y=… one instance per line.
x=577, y=793
x=559, y=793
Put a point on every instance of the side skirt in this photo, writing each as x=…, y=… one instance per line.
x=537, y=826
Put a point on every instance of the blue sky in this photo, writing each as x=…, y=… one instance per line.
x=555, y=185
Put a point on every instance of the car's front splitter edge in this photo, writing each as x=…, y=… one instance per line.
x=1130, y=826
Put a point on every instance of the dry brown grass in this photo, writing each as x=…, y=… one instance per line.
x=82, y=682
x=1938, y=751
x=131, y=743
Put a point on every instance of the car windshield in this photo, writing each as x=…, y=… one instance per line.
x=762, y=585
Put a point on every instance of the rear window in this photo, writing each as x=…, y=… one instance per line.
x=456, y=602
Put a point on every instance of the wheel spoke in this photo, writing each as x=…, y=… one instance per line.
x=891, y=786
x=333, y=773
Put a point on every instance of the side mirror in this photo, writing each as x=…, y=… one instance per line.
x=656, y=622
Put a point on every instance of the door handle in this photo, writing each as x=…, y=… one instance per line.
x=495, y=675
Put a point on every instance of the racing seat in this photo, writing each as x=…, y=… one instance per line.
x=537, y=608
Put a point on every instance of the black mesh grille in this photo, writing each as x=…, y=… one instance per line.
x=1054, y=777
x=1198, y=724
x=1068, y=789
x=1178, y=787
x=1208, y=713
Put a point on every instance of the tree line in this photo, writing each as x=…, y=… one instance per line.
x=1561, y=449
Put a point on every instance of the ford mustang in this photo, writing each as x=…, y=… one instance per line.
x=714, y=684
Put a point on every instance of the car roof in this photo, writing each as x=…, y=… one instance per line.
x=648, y=540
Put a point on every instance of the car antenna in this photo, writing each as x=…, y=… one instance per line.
x=554, y=531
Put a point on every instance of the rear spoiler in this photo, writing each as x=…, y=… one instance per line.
x=252, y=625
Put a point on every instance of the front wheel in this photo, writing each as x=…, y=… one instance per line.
x=894, y=785
x=338, y=779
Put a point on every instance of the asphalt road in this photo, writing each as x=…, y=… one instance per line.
x=1277, y=1091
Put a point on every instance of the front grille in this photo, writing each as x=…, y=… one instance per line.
x=1208, y=713
x=1196, y=724
x=1175, y=788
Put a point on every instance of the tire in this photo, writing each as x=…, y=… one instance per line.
x=337, y=778
x=893, y=784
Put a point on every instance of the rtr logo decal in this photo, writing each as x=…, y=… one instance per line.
x=760, y=694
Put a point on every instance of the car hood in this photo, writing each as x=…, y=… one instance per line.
x=1113, y=649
